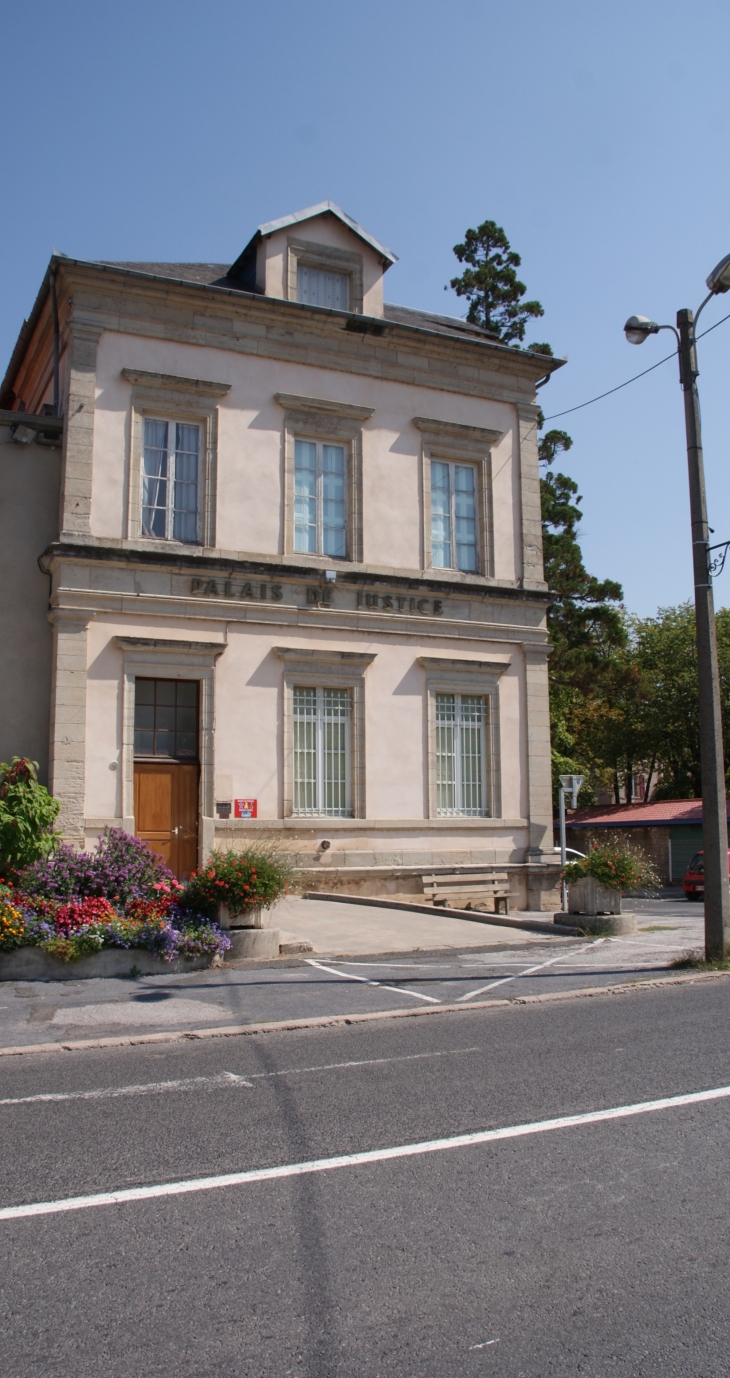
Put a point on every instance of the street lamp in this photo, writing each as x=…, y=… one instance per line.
x=714, y=811
x=569, y=784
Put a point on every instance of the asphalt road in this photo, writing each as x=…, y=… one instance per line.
x=307, y=987
x=598, y=1248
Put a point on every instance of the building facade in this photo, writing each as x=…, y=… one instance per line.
x=290, y=578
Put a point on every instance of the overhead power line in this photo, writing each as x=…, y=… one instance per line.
x=643, y=374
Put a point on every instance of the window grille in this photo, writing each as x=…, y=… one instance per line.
x=461, y=722
x=322, y=752
x=170, y=480
x=453, y=516
x=319, y=499
x=316, y=287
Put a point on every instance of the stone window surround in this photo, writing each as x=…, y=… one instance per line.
x=458, y=444
x=330, y=260
x=168, y=397
x=447, y=676
x=316, y=418
x=329, y=670
x=165, y=658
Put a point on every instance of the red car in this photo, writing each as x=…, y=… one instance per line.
x=694, y=880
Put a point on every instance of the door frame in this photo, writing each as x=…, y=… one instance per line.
x=165, y=658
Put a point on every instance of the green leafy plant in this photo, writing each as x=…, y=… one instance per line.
x=241, y=880
x=27, y=815
x=621, y=867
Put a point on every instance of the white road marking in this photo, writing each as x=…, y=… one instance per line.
x=375, y=1155
x=220, y=1079
x=503, y=980
x=147, y=1088
x=484, y=1344
x=349, y=976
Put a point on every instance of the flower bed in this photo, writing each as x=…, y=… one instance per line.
x=74, y=904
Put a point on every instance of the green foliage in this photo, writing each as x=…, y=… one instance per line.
x=615, y=864
x=27, y=815
x=491, y=286
x=241, y=880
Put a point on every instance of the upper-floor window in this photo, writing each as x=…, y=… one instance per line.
x=316, y=287
x=170, y=480
x=453, y=516
x=320, y=515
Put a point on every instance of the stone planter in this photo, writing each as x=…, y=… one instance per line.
x=249, y=944
x=31, y=964
x=596, y=908
x=590, y=896
x=250, y=918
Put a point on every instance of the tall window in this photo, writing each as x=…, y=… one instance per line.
x=453, y=516
x=170, y=478
x=166, y=718
x=322, y=752
x=461, y=754
x=319, y=499
x=315, y=287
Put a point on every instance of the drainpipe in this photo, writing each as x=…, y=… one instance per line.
x=54, y=309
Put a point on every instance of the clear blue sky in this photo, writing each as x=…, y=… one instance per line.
x=598, y=135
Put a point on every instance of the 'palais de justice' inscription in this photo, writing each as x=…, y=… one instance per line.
x=319, y=595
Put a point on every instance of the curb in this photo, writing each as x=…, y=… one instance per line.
x=473, y=915
x=332, y=1021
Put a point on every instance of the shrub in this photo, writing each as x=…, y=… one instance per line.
x=122, y=869
x=27, y=815
x=614, y=864
x=241, y=880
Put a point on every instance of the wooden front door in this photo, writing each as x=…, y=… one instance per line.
x=166, y=770
x=166, y=812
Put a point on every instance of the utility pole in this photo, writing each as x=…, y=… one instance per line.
x=712, y=762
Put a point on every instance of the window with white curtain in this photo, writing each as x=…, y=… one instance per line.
x=322, y=751
x=461, y=755
x=170, y=480
x=320, y=481
x=453, y=516
x=317, y=287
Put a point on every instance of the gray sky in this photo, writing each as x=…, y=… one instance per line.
x=596, y=134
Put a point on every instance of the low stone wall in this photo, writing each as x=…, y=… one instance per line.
x=531, y=887
x=31, y=964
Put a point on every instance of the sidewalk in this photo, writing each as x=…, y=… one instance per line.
x=352, y=930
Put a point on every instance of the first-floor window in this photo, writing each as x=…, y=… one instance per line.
x=453, y=516
x=322, y=752
x=170, y=480
x=461, y=750
x=319, y=499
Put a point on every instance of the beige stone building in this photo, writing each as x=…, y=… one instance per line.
x=271, y=563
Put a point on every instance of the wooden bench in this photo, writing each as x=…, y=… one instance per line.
x=469, y=891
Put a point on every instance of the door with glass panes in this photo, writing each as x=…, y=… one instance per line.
x=166, y=770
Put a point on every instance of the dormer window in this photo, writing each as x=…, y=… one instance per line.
x=316, y=287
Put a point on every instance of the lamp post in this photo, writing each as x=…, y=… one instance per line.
x=569, y=784
x=712, y=764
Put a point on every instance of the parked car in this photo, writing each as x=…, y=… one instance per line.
x=694, y=877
